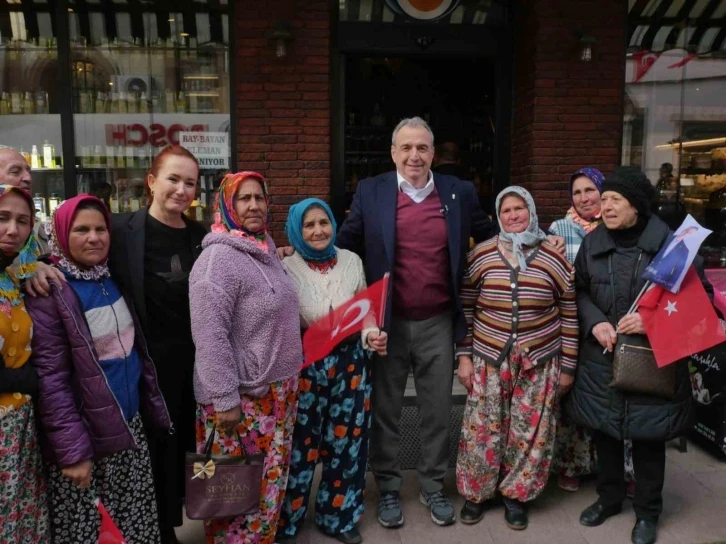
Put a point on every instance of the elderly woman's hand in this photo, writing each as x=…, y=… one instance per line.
x=285, y=251
x=558, y=242
x=465, y=372
x=40, y=283
x=605, y=334
x=378, y=341
x=631, y=324
x=228, y=420
x=566, y=381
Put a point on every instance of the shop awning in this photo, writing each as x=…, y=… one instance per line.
x=97, y=21
x=468, y=12
x=698, y=26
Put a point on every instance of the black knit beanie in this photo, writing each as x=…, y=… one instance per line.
x=634, y=185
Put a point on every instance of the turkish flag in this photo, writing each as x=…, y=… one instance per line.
x=644, y=61
x=679, y=325
x=349, y=318
x=109, y=533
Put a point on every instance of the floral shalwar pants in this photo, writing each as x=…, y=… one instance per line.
x=265, y=428
x=508, y=432
x=333, y=421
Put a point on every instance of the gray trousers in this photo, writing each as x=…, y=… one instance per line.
x=428, y=346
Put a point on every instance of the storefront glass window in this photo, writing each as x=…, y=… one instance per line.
x=675, y=114
x=143, y=80
x=30, y=99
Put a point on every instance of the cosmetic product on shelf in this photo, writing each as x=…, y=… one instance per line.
x=114, y=102
x=41, y=102
x=122, y=103
x=113, y=203
x=16, y=103
x=132, y=104
x=100, y=103
x=97, y=157
x=85, y=159
x=34, y=158
x=39, y=203
x=170, y=101
x=48, y=155
x=143, y=104
x=110, y=157
x=181, y=103
x=53, y=202
x=28, y=104
x=5, y=104
x=130, y=157
x=120, y=157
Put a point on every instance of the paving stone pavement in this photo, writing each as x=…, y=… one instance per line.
x=694, y=513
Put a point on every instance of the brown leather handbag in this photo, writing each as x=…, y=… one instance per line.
x=222, y=486
x=634, y=366
x=635, y=369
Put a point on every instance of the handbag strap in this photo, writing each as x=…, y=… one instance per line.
x=209, y=444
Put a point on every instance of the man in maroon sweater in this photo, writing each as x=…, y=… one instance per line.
x=417, y=226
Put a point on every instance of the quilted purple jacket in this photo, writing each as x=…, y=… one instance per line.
x=80, y=416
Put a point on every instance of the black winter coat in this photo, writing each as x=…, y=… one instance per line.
x=593, y=403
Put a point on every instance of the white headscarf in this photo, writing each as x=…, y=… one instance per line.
x=531, y=237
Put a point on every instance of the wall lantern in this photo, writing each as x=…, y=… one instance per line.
x=587, y=42
x=282, y=36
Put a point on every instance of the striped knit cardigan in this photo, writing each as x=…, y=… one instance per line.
x=535, y=309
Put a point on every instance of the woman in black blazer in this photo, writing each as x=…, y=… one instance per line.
x=152, y=253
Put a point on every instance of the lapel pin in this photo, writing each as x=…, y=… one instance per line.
x=453, y=197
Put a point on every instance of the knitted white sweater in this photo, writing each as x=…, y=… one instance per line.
x=319, y=293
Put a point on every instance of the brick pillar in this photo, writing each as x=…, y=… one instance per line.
x=283, y=105
x=567, y=113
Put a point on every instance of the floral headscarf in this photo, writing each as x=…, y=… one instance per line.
x=225, y=216
x=533, y=236
x=59, y=229
x=26, y=264
x=597, y=177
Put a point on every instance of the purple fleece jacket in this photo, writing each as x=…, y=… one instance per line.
x=245, y=321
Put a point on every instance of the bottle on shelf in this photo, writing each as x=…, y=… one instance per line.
x=53, y=202
x=100, y=103
x=25, y=155
x=48, y=155
x=5, y=104
x=97, y=157
x=113, y=203
x=16, y=102
x=110, y=157
x=134, y=204
x=181, y=103
x=39, y=204
x=41, y=102
x=114, y=102
x=132, y=103
x=130, y=157
x=34, y=157
x=85, y=159
x=170, y=101
x=28, y=104
x=143, y=104
x=120, y=157
x=122, y=103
